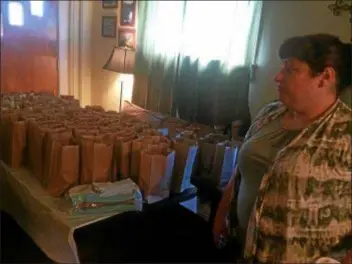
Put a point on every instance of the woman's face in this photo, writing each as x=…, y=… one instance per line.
x=297, y=87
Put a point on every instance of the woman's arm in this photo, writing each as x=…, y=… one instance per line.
x=342, y=253
x=220, y=225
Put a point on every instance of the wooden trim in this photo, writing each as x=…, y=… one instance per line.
x=57, y=45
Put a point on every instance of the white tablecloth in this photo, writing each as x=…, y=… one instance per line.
x=45, y=219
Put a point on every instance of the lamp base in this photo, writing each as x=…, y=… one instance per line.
x=121, y=96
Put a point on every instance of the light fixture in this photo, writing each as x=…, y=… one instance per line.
x=341, y=5
x=122, y=61
x=337, y=8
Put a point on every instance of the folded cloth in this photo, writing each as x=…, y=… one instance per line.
x=105, y=197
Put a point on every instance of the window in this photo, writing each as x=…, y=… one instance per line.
x=218, y=30
x=224, y=31
x=37, y=8
x=15, y=14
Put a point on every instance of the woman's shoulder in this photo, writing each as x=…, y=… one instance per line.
x=344, y=111
x=266, y=114
x=270, y=108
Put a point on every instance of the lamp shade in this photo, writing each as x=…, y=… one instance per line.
x=121, y=60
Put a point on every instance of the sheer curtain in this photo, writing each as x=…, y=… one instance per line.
x=220, y=30
x=188, y=40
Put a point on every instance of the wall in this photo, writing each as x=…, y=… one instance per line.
x=283, y=19
x=104, y=90
x=75, y=26
x=105, y=85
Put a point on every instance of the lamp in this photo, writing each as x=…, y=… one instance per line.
x=121, y=60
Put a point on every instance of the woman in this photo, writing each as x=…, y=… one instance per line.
x=292, y=190
x=290, y=198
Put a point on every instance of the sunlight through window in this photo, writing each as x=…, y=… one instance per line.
x=15, y=14
x=37, y=8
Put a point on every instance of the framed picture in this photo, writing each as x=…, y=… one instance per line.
x=109, y=3
x=108, y=26
x=127, y=13
x=126, y=38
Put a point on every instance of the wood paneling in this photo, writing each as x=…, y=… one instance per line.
x=29, y=52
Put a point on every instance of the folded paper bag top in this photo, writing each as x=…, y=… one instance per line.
x=160, y=149
x=185, y=140
x=153, y=140
x=96, y=154
x=187, y=134
x=150, y=132
x=230, y=143
x=109, y=129
x=214, y=138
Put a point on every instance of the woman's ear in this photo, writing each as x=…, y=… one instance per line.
x=328, y=78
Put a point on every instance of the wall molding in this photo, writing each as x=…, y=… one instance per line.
x=75, y=49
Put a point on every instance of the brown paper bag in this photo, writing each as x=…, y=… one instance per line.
x=36, y=140
x=137, y=146
x=30, y=144
x=156, y=167
x=102, y=162
x=170, y=129
x=225, y=160
x=123, y=149
x=96, y=159
x=173, y=125
x=201, y=130
x=18, y=143
x=150, y=132
x=205, y=158
x=112, y=134
x=67, y=171
x=185, y=154
x=207, y=146
x=141, y=126
x=13, y=140
x=52, y=144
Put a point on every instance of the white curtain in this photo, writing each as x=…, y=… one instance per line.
x=203, y=30
x=75, y=20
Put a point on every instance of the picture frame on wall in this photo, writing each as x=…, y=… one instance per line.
x=109, y=3
x=108, y=26
x=126, y=38
x=127, y=13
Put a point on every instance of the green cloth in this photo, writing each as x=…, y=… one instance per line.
x=255, y=157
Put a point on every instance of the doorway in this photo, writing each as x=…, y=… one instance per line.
x=29, y=50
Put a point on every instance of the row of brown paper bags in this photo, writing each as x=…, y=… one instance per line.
x=24, y=100
x=214, y=158
x=60, y=161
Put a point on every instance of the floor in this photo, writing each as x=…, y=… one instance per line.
x=17, y=247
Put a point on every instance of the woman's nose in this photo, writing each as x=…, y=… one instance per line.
x=278, y=77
